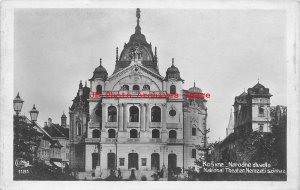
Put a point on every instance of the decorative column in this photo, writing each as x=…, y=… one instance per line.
x=125, y=117
x=142, y=117
x=120, y=117
x=164, y=116
x=147, y=116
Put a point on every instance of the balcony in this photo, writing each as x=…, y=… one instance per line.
x=175, y=141
x=92, y=140
x=133, y=124
x=111, y=124
x=155, y=124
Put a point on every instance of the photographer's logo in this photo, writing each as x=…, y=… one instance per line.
x=22, y=163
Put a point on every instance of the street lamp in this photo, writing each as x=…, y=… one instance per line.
x=34, y=113
x=18, y=103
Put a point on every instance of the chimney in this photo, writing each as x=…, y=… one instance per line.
x=49, y=122
x=45, y=124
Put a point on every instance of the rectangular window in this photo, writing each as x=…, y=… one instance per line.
x=122, y=161
x=261, y=111
x=144, y=161
x=193, y=131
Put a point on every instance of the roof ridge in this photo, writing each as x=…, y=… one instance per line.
x=58, y=129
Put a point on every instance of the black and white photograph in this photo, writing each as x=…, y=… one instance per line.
x=198, y=93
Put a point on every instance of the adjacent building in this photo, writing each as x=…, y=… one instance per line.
x=60, y=153
x=252, y=113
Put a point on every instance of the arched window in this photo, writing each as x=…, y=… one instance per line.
x=78, y=129
x=112, y=114
x=96, y=133
x=193, y=131
x=136, y=87
x=172, y=89
x=133, y=133
x=155, y=133
x=125, y=87
x=193, y=153
x=155, y=114
x=146, y=87
x=172, y=134
x=111, y=133
x=99, y=89
x=98, y=112
x=134, y=114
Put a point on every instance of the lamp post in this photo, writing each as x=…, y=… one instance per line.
x=18, y=103
x=34, y=113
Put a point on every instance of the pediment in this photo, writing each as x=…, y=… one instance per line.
x=134, y=74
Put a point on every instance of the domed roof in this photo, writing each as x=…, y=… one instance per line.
x=195, y=89
x=137, y=49
x=173, y=72
x=244, y=94
x=100, y=72
x=259, y=89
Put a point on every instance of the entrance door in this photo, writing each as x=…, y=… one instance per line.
x=172, y=161
x=111, y=161
x=95, y=160
x=133, y=161
x=155, y=161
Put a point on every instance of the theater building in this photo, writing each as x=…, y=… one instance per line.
x=134, y=132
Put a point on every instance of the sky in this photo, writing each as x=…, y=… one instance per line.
x=223, y=51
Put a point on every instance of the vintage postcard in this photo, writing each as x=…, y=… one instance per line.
x=203, y=94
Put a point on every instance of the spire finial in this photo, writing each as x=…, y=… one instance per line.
x=138, y=16
x=258, y=79
x=138, y=13
x=18, y=95
x=117, y=54
x=244, y=89
x=172, y=61
x=155, y=51
x=194, y=84
x=100, y=61
x=80, y=84
x=85, y=85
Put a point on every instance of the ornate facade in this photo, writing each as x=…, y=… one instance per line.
x=133, y=131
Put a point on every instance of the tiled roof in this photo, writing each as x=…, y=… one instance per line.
x=56, y=130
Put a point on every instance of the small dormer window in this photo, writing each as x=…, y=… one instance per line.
x=146, y=87
x=125, y=88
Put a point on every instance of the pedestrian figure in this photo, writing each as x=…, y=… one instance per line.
x=119, y=174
